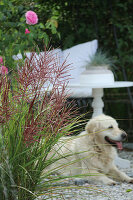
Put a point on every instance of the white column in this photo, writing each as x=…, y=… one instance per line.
x=97, y=103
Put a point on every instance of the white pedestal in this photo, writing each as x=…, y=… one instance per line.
x=97, y=103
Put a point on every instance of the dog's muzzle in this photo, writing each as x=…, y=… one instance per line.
x=123, y=136
x=115, y=143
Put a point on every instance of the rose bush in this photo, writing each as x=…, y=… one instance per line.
x=3, y=70
x=15, y=38
x=1, y=60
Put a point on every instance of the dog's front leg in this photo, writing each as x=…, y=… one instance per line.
x=95, y=176
x=121, y=176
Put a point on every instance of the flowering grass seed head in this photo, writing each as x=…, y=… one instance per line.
x=41, y=86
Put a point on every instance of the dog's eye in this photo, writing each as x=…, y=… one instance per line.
x=110, y=127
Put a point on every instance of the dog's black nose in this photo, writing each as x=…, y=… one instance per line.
x=123, y=136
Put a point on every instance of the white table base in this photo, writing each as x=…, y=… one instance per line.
x=97, y=103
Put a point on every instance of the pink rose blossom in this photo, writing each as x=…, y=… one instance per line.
x=3, y=70
x=1, y=60
x=27, y=31
x=31, y=17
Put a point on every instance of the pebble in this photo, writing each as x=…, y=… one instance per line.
x=122, y=191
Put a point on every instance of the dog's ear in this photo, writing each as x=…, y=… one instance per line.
x=92, y=126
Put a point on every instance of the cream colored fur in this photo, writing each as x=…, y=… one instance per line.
x=91, y=155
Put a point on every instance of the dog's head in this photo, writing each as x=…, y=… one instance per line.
x=105, y=130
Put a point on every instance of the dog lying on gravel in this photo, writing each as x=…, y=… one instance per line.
x=92, y=152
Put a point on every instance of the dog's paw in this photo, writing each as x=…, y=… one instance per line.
x=111, y=183
x=80, y=181
x=131, y=180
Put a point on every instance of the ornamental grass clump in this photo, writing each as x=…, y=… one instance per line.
x=100, y=59
x=33, y=116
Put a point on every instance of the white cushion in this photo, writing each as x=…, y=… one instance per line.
x=78, y=56
x=56, y=53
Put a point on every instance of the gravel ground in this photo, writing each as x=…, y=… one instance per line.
x=121, y=191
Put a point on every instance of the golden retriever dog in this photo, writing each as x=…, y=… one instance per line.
x=91, y=154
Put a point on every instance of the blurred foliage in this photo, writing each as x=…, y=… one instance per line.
x=109, y=21
x=13, y=39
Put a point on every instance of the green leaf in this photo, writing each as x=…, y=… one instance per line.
x=129, y=190
x=41, y=25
